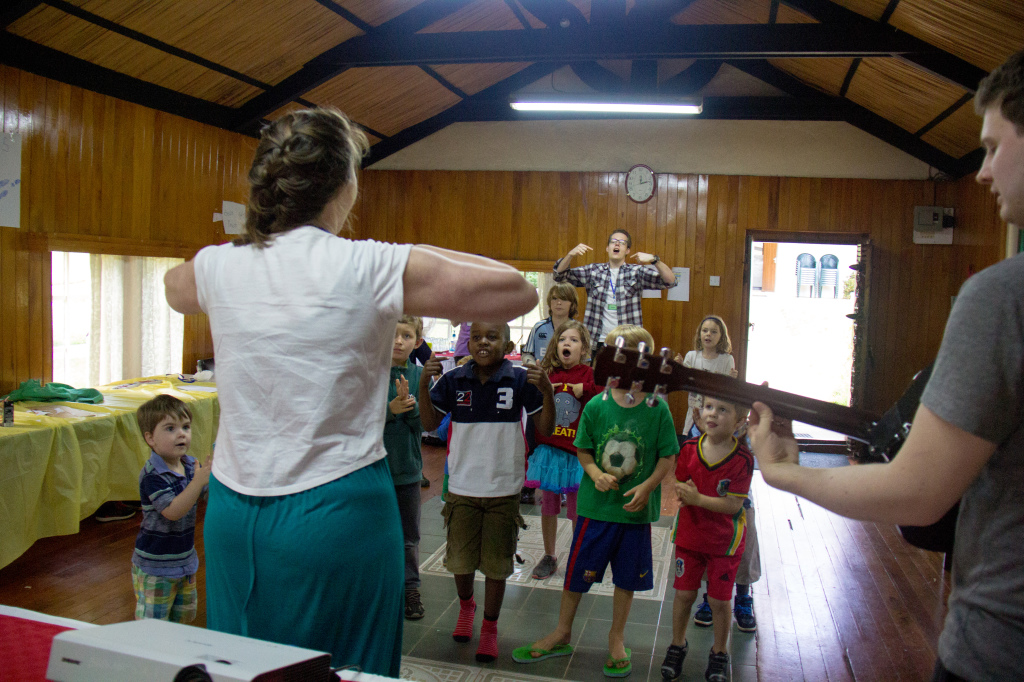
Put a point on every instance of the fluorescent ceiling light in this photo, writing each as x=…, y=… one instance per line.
x=666, y=106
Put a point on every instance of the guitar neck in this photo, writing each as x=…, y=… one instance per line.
x=627, y=368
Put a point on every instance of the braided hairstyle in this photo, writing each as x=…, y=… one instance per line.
x=302, y=161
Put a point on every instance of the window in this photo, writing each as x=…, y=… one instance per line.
x=111, y=320
x=441, y=335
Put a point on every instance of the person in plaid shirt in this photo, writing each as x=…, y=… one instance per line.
x=614, y=288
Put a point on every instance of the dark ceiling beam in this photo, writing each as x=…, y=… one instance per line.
x=555, y=12
x=950, y=110
x=741, y=41
x=49, y=63
x=465, y=110
x=523, y=21
x=854, y=114
x=691, y=79
x=599, y=78
x=887, y=13
x=607, y=12
x=918, y=52
x=114, y=27
x=326, y=65
x=968, y=164
x=773, y=12
x=643, y=75
x=15, y=10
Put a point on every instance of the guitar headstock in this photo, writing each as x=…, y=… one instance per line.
x=658, y=375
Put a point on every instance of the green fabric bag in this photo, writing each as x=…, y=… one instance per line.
x=54, y=392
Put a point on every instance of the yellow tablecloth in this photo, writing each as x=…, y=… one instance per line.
x=56, y=471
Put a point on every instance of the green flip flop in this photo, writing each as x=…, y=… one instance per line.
x=613, y=669
x=524, y=654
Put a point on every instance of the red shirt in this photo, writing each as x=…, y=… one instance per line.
x=709, y=532
x=569, y=408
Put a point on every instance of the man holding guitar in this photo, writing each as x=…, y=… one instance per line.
x=967, y=438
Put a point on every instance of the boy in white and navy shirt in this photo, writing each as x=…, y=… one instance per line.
x=486, y=398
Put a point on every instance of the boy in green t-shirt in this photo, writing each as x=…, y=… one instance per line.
x=626, y=449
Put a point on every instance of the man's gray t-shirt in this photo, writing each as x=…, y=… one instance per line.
x=978, y=386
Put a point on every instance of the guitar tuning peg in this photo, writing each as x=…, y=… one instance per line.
x=659, y=392
x=620, y=343
x=636, y=387
x=666, y=357
x=613, y=382
x=642, y=362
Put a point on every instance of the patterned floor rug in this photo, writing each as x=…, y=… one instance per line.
x=531, y=551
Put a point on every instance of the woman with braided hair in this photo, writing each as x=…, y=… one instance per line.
x=302, y=532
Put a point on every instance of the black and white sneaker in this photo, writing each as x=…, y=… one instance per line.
x=718, y=668
x=114, y=511
x=672, y=666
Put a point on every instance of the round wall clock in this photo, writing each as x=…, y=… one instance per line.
x=640, y=183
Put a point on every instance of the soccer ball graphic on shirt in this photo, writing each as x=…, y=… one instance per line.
x=618, y=457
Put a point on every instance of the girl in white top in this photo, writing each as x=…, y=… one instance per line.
x=711, y=353
x=303, y=538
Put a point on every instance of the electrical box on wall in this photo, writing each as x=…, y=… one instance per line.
x=933, y=225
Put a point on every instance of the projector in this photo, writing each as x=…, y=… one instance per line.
x=158, y=651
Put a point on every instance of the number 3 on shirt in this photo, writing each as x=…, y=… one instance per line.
x=504, y=398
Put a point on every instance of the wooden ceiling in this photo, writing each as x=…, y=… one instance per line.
x=903, y=70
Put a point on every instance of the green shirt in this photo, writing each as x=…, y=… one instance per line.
x=402, y=432
x=631, y=439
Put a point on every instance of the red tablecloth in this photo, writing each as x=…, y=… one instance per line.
x=25, y=648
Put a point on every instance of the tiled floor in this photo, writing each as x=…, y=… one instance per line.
x=531, y=610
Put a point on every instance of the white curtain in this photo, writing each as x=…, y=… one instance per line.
x=134, y=332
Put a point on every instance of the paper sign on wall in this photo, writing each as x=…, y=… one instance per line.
x=233, y=215
x=651, y=293
x=10, y=180
x=681, y=291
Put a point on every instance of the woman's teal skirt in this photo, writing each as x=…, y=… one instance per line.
x=321, y=569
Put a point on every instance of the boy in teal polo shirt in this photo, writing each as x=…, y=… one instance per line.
x=402, y=433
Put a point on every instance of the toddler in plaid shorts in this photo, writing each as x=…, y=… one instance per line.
x=164, y=563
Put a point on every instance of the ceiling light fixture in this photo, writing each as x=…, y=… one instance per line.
x=609, y=105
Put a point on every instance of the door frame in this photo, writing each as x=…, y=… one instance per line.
x=861, y=239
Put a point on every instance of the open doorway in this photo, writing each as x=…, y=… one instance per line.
x=803, y=325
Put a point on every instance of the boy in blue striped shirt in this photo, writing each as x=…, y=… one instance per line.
x=164, y=564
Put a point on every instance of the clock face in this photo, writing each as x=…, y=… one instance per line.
x=640, y=183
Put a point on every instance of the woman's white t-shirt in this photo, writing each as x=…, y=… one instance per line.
x=302, y=335
x=722, y=364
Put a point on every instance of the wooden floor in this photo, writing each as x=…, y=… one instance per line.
x=838, y=600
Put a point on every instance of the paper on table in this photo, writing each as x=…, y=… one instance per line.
x=198, y=389
x=681, y=291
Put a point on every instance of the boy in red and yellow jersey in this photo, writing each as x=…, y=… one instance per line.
x=713, y=475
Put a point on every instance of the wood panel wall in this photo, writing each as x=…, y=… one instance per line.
x=107, y=176
x=699, y=221
x=103, y=175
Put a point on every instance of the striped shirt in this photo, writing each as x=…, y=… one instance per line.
x=165, y=548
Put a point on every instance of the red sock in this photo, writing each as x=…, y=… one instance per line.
x=488, y=649
x=464, y=626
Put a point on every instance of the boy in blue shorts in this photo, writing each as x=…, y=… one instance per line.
x=164, y=563
x=712, y=481
x=486, y=399
x=626, y=448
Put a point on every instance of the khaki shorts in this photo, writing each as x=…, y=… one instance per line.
x=482, y=534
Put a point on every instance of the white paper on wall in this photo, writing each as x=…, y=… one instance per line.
x=233, y=215
x=681, y=291
x=651, y=293
x=10, y=180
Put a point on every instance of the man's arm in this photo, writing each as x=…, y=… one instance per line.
x=461, y=286
x=666, y=278
x=563, y=264
x=931, y=472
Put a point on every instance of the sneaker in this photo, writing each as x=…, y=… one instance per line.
x=545, y=567
x=114, y=511
x=743, y=609
x=672, y=666
x=413, y=605
x=718, y=668
x=703, y=615
x=424, y=482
